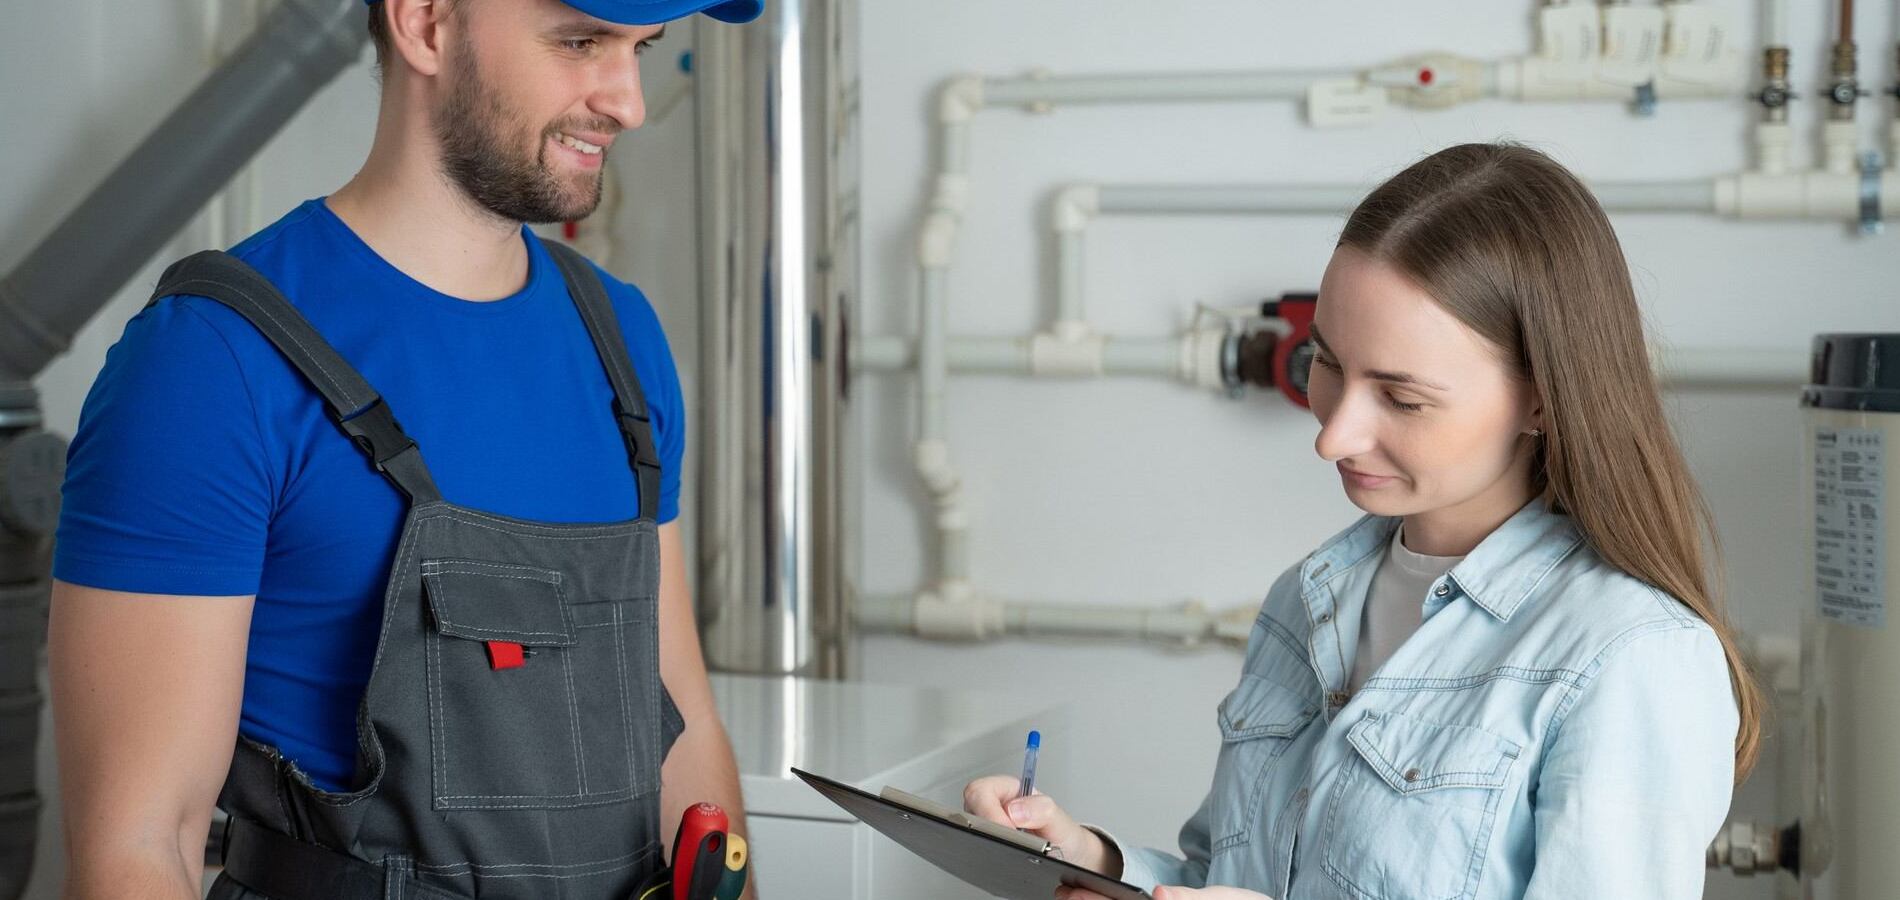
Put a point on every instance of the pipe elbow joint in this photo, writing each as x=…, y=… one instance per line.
x=1075, y=205
x=959, y=99
x=932, y=459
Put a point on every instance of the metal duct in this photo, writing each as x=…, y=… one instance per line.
x=777, y=260
x=74, y=272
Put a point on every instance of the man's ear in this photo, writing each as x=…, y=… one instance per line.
x=415, y=32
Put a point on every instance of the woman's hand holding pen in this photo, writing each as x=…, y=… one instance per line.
x=995, y=798
x=1171, y=893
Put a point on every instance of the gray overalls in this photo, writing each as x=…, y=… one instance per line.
x=510, y=739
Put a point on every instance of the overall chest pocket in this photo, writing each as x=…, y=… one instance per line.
x=578, y=722
x=1258, y=722
x=1411, y=811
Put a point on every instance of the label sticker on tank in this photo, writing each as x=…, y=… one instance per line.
x=1850, y=531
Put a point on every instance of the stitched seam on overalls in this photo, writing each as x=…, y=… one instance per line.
x=573, y=713
x=626, y=715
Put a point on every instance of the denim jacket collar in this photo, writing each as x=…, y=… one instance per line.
x=1498, y=574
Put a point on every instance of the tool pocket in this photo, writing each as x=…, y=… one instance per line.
x=1258, y=721
x=1411, y=813
x=565, y=723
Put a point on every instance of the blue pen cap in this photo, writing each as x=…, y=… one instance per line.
x=1035, y=739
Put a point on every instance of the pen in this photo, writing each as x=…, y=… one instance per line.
x=1029, y=764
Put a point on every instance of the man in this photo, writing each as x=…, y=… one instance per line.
x=370, y=539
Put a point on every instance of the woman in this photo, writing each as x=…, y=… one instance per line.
x=1513, y=677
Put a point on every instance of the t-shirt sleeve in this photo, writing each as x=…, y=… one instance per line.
x=659, y=380
x=168, y=489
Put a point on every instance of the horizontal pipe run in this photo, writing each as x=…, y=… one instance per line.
x=1125, y=356
x=1696, y=196
x=1181, y=88
x=1215, y=199
x=1160, y=357
x=1176, y=623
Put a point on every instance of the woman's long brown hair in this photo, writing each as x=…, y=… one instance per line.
x=1518, y=249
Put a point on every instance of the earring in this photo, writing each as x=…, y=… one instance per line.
x=1537, y=432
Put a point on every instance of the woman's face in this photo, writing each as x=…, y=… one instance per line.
x=1418, y=411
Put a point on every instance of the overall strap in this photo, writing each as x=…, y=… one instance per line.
x=630, y=404
x=352, y=404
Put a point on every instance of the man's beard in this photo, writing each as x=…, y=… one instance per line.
x=478, y=155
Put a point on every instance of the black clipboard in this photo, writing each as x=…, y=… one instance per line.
x=998, y=866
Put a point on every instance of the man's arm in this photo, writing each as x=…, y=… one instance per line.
x=146, y=691
x=701, y=766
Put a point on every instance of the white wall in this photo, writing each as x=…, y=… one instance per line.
x=1102, y=492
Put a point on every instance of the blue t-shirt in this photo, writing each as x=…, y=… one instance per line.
x=206, y=465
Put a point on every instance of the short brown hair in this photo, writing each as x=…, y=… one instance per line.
x=379, y=31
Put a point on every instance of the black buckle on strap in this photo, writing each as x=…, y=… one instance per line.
x=377, y=432
x=638, y=433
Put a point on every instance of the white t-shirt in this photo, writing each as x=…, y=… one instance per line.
x=1395, y=606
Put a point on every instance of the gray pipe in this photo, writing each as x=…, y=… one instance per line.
x=775, y=263
x=89, y=256
x=62, y=284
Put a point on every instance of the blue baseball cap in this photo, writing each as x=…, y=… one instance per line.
x=653, y=12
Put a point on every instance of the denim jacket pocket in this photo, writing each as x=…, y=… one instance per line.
x=1410, y=815
x=1257, y=722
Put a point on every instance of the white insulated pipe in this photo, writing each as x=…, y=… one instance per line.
x=1694, y=196
x=1775, y=23
x=975, y=618
x=1036, y=91
x=1287, y=199
x=1158, y=357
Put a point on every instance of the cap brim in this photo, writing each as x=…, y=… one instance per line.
x=654, y=12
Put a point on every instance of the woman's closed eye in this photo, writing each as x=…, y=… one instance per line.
x=1327, y=363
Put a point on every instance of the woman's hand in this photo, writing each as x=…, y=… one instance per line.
x=1169, y=893
x=994, y=798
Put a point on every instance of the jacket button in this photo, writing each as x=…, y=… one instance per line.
x=1240, y=722
x=1337, y=699
x=1411, y=774
x=1324, y=618
x=1443, y=589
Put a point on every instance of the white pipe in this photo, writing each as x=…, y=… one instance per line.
x=1696, y=196
x=1157, y=87
x=1775, y=31
x=1337, y=199
x=1162, y=358
x=972, y=617
x=931, y=364
x=1120, y=356
x=1800, y=195
x=1069, y=268
x=1774, y=369
x=1288, y=199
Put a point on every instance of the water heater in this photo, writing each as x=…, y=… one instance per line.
x=1850, y=659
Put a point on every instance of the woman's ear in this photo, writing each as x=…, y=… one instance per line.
x=415, y=32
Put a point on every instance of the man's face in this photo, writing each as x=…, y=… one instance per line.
x=534, y=94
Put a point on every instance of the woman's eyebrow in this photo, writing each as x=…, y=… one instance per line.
x=1405, y=378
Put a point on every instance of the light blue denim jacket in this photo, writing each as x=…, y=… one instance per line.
x=1555, y=728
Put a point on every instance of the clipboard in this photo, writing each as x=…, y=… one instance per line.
x=1010, y=866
